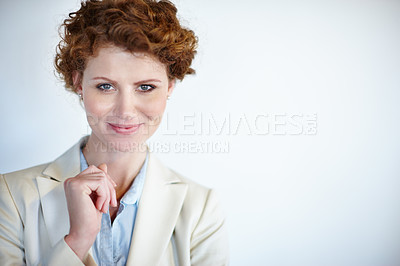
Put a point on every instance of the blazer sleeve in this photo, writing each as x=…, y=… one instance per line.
x=12, y=250
x=209, y=242
x=62, y=254
x=11, y=229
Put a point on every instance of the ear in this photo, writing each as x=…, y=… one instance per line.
x=171, y=86
x=77, y=81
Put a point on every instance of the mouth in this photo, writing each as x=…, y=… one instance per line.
x=125, y=129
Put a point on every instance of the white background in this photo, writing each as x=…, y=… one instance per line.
x=330, y=198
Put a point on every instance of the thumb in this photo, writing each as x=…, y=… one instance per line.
x=103, y=167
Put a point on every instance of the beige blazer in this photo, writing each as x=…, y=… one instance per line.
x=178, y=222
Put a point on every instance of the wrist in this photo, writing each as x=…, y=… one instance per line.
x=80, y=246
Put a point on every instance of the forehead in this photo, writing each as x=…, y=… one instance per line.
x=116, y=61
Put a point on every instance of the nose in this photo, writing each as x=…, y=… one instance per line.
x=125, y=105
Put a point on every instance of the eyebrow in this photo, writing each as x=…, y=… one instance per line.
x=147, y=81
x=104, y=78
x=136, y=83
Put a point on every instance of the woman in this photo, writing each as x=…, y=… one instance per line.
x=107, y=200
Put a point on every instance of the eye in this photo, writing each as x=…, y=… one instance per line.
x=146, y=87
x=105, y=87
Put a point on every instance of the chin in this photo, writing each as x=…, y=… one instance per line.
x=125, y=145
x=110, y=141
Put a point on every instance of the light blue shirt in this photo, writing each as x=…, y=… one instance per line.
x=112, y=243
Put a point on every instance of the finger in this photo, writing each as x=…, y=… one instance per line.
x=106, y=203
x=100, y=198
x=102, y=176
x=103, y=197
x=106, y=185
x=90, y=170
x=104, y=168
x=111, y=180
x=114, y=198
x=95, y=177
x=98, y=185
x=113, y=194
x=105, y=180
x=112, y=185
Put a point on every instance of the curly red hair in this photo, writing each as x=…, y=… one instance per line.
x=148, y=26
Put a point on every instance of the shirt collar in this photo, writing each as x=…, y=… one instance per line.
x=132, y=196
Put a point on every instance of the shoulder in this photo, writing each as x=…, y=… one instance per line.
x=167, y=175
x=23, y=179
x=198, y=196
x=193, y=186
x=24, y=173
x=199, y=199
x=19, y=193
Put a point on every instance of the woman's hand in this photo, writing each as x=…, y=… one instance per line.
x=89, y=194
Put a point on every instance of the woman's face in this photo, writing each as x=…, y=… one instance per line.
x=124, y=95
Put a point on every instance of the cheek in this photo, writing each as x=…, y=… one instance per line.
x=154, y=110
x=96, y=111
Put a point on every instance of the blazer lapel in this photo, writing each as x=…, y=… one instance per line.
x=51, y=191
x=159, y=208
x=54, y=207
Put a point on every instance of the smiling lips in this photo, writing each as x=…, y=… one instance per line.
x=125, y=129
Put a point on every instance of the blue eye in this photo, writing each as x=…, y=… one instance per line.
x=146, y=88
x=105, y=87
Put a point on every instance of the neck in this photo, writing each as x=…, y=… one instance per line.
x=122, y=166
